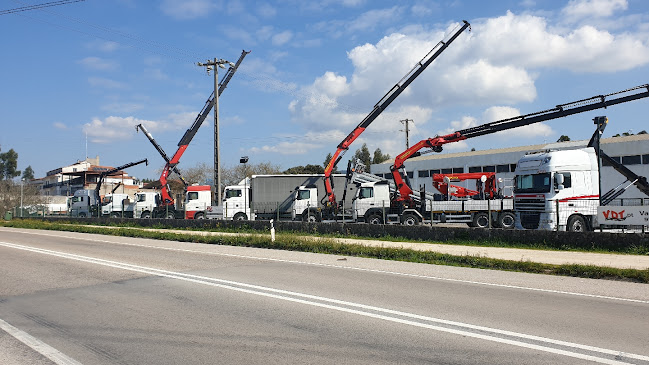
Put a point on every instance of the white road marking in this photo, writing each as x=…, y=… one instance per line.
x=37, y=345
x=463, y=329
x=353, y=268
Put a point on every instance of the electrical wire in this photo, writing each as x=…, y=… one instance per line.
x=38, y=6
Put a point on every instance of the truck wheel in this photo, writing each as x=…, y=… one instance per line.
x=115, y=215
x=310, y=217
x=240, y=217
x=82, y=215
x=170, y=215
x=577, y=223
x=199, y=216
x=481, y=220
x=410, y=220
x=375, y=219
x=146, y=215
x=506, y=220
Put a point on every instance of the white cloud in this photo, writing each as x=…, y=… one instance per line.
x=266, y=10
x=282, y=38
x=187, y=9
x=60, y=125
x=105, y=83
x=579, y=9
x=111, y=129
x=100, y=64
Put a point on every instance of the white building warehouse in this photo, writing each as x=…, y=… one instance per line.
x=632, y=151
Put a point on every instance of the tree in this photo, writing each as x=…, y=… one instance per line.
x=28, y=174
x=327, y=159
x=363, y=154
x=563, y=138
x=308, y=169
x=233, y=175
x=9, y=165
x=379, y=157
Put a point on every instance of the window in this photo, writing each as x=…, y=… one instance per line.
x=631, y=160
x=447, y=171
x=537, y=183
x=388, y=176
x=458, y=170
x=234, y=193
x=193, y=195
x=512, y=167
x=410, y=174
x=502, y=168
x=605, y=162
x=489, y=168
x=303, y=194
x=645, y=159
x=365, y=193
x=436, y=171
x=423, y=173
x=475, y=169
x=141, y=197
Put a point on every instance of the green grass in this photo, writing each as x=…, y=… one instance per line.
x=298, y=242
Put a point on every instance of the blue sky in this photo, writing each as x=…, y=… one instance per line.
x=92, y=70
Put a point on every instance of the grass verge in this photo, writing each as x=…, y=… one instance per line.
x=293, y=242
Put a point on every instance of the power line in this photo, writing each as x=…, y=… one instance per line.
x=38, y=6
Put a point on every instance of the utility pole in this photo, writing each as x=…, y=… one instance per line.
x=214, y=65
x=407, y=130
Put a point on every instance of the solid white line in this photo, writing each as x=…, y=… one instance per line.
x=263, y=291
x=354, y=268
x=37, y=345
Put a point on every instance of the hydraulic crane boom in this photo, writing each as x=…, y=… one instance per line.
x=160, y=151
x=103, y=175
x=190, y=133
x=382, y=105
x=560, y=111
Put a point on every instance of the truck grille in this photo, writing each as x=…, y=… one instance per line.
x=530, y=220
x=529, y=204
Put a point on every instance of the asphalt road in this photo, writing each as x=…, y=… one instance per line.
x=71, y=298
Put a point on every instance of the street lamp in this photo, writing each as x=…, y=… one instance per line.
x=22, y=181
x=214, y=65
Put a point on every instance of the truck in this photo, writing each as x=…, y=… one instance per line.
x=88, y=202
x=405, y=204
x=374, y=202
x=279, y=197
x=560, y=190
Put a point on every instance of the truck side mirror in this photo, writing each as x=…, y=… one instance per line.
x=559, y=179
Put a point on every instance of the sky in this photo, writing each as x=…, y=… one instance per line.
x=77, y=78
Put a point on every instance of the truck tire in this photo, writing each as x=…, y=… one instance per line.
x=577, y=223
x=115, y=215
x=146, y=215
x=82, y=215
x=199, y=216
x=506, y=220
x=310, y=217
x=170, y=215
x=375, y=219
x=410, y=220
x=481, y=220
x=240, y=217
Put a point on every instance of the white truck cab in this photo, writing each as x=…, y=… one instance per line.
x=116, y=205
x=567, y=180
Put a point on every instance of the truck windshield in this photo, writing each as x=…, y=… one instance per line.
x=232, y=193
x=141, y=197
x=365, y=193
x=106, y=200
x=303, y=194
x=535, y=183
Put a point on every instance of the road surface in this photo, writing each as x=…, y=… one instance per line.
x=70, y=298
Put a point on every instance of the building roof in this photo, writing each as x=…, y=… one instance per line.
x=523, y=149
